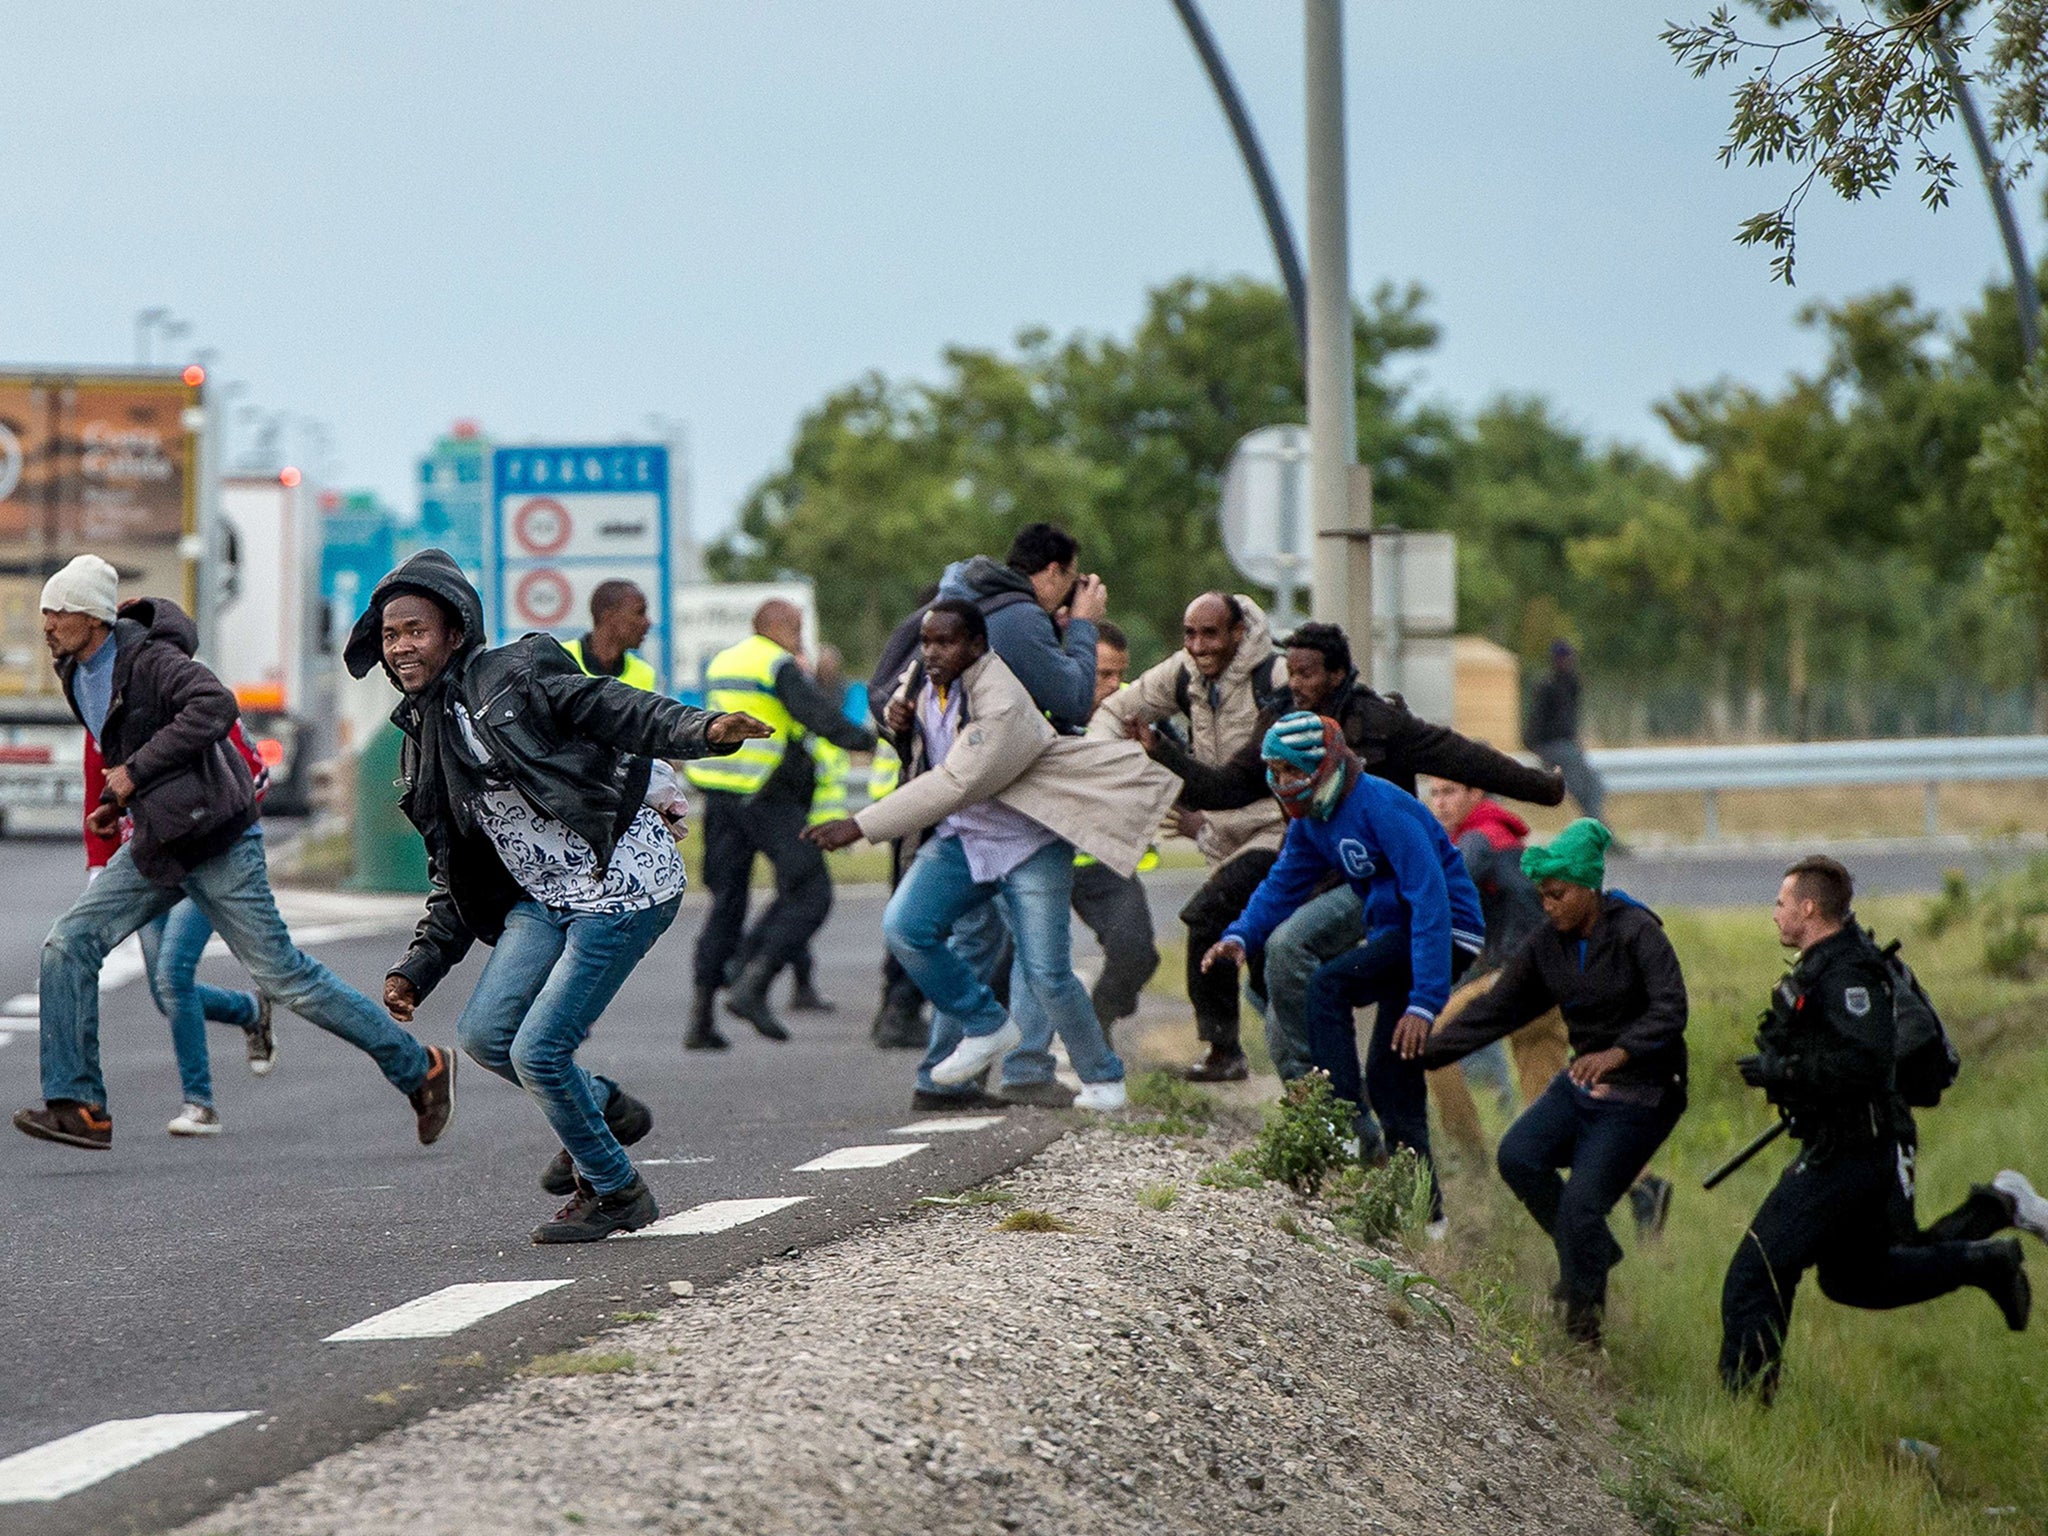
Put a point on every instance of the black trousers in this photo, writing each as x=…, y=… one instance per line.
x=1116, y=911
x=736, y=828
x=1848, y=1215
x=1218, y=904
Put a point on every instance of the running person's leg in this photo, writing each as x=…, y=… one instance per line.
x=171, y=949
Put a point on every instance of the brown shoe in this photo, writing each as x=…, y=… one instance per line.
x=434, y=1100
x=1219, y=1066
x=72, y=1123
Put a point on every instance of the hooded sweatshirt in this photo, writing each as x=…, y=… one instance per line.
x=1395, y=855
x=1490, y=838
x=1057, y=671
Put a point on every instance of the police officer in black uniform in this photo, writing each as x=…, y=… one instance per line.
x=1845, y=1207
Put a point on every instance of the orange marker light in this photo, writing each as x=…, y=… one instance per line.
x=194, y=375
x=288, y=476
x=271, y=751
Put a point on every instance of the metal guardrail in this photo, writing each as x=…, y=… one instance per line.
x=1926, y=761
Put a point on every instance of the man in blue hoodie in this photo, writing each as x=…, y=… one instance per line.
x=1422, y=918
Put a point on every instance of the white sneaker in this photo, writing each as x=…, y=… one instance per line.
x=1102, y=1096
x=972, y=1055
x=2029, y=1210
x=196, y=1120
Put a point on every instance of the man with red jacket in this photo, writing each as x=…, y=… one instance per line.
x=171, y=948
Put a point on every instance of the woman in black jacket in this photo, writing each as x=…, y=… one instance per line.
x=1604, y=962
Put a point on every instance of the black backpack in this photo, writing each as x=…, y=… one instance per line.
x=1925, y=1063
x=1270, y=693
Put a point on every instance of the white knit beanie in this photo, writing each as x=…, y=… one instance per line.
x=87, y=585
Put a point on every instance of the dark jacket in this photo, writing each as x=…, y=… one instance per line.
x=1554, y=710
x=1392, y=741
x=1621, y=986
x=1491, y=840
x=577, y=747
x=1057, y=670
x=167, y=723
x=1827, y=1043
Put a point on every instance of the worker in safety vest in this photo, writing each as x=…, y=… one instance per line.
x=618, y=624
x=833, y=764
x=757, y=801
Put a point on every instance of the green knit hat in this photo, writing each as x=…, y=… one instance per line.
x=1577, y=854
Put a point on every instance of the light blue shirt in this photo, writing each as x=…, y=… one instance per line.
x=92, y=685
x=995, y=838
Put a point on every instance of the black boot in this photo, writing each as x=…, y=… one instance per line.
x=629, y=1120
x=703, y=1034
x=899, y=1023
x=2005, y=1279
x=1221, y=1064
x=747, y=998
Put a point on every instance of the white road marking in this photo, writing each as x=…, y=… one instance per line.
x=671, y=1162
x=716, y=1216
x=944, y=1123
x=23, y=1005
x=49, y=1472
x=862, y=1157
x=448, y=1310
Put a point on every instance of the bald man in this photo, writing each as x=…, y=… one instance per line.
x=757, y=802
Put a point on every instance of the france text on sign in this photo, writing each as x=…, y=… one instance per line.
x=620, y=468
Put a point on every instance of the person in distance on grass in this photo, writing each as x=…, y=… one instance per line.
x=1422, y=921
x=162, y=721
x=1008, y=800
x=1828, y=1057
x=538, y=791
x=1602, y=960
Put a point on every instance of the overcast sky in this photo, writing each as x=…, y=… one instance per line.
x=557, y=220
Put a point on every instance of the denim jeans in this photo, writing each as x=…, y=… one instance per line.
x=1318, y=931
x=550, y=975
x=1605, y=1143
x=1376, y=974
x=1045, y=994
x=233, y=890
x=171, y=947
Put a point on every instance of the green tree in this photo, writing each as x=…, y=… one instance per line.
x=2012, y=472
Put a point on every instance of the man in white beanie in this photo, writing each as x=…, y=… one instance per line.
x=162, y=721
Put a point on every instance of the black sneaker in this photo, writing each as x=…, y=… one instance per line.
x=69, y=1122
x=2007, y=1283
x=629, y=1120
x=262, y=1041
x=1219, y=1065
x=927, y=1102
x=811, y=1000
x=591, y=1217
x=434, y=1100
x=1650, y=1201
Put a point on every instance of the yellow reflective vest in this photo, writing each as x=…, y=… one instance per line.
x=828, y=794
x=636, y=673
x=885, y=772
x=741, y=680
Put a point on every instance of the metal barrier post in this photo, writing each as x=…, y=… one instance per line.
x=1930, y=805
x=1712, y=831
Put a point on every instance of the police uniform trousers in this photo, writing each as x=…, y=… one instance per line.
x=736, y=828
x=1846, y=1212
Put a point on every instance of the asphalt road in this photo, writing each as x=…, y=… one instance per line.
x=183, y=1277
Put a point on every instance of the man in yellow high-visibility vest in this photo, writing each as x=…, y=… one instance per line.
x=618, y=624
x=756, y=801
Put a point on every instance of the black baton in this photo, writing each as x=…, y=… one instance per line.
x=1744, y=1155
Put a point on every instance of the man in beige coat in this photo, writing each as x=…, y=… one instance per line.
x=1226, y=673
x=1006, y=801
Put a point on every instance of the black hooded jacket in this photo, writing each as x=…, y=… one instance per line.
x=577, y=747
x=167, y=723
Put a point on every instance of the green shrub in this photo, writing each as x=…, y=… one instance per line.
x=1179, y=1107
x=2011, y=947
x=1391, y=1201
x=1237, y=1171
x=1950, y=907
x=1158, y=1197
x=1304, y=1135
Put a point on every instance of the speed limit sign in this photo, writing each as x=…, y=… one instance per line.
x=542, y=598
x=541, y=526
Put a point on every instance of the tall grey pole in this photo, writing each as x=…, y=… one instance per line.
x=1254, y=155
x=2025, y=291
x=1343, y=594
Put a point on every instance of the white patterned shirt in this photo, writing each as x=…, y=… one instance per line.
x=557, y=868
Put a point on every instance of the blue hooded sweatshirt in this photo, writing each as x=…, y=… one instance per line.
x=1058, y=673
x=1396, y=856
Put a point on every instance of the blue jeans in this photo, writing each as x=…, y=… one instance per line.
x=1318, y=931
x=171, y=947
x=550, y=975
x=1376, y=974
x=1606, y=1144
x=232, y=889
x=936, y=893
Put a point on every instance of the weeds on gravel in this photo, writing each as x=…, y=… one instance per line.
x=1158, y=1197
x=1303, y=1139
x=578, y=1363
x=1391, y=1201
x=634, y=1317
x=1409, y=1289
x=1032, y=1221
x=1237, y=1171
x=1180, y=1108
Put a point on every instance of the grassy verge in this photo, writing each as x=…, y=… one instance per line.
x=1948, y=1374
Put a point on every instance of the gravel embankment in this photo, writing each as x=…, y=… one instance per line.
x=1190, y=1371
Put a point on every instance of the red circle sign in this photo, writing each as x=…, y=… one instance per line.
x=543, y=598
x=541, y=526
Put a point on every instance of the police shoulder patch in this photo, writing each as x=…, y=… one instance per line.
x=1856, y=1000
